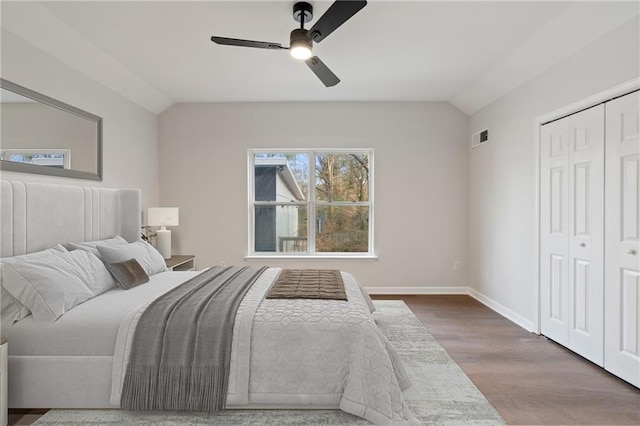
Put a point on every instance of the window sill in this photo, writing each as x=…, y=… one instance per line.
x=332, y=256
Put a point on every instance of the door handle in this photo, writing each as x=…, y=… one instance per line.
x=633, y=252
x=583, y=244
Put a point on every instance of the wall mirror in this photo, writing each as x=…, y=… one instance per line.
x=42, y=135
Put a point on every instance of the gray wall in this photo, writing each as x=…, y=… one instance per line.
x=130, y=138
x=420, y=180
x=502, y=173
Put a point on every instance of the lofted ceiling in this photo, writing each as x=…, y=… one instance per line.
x=157, y=53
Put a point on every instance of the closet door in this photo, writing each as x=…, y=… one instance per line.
x=586, y=237
x=622, y=260
x=572, y=232
x=554, y=231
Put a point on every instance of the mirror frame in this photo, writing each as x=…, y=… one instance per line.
x=10, y=166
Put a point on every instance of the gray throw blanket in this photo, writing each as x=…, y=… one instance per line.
x=181, y=350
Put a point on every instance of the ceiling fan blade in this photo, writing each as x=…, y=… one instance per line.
x=322, y=71
x=246, y=43
x=337, y=14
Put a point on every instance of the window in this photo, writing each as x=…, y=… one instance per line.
x=311, y=203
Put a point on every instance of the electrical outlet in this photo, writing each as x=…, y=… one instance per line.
x=457, y=265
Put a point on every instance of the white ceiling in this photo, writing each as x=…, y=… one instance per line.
x=157, y=53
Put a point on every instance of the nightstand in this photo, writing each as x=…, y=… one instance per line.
x=177, y=262
x=4, y=353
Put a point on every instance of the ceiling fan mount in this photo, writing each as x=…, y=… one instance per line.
x=300, y=44
x=301, y=10
x=301, y=40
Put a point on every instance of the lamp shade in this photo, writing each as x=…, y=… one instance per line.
x=162, y=216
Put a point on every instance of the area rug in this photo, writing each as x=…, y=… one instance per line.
x=441, y=393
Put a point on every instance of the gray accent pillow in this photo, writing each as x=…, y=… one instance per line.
x=128, y=274
x=147, y=256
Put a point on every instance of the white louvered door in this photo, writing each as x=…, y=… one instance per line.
x=572, y=232
x=622, y=285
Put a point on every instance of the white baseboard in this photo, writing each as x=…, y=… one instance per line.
x=502, y=310
x=488, y=302
x=417, y=290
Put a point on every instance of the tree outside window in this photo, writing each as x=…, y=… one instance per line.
x=332, y=215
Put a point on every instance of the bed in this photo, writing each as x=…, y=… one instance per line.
x=285, y=353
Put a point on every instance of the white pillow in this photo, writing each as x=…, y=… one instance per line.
x=147, y=256
x=52, y=285
x=36, y=254
x=92, y=246
x=11, y=310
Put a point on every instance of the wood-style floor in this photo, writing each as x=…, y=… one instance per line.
x=528, y=379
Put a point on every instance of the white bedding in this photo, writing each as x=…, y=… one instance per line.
x=90, y=328
x=286, y=353
x=304, y=353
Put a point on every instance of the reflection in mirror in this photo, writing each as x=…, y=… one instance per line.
x=45, y=136
x=60, y=158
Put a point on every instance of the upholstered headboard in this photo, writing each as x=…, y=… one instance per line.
x=36, y=216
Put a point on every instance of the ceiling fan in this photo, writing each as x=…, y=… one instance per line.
x=301, y=40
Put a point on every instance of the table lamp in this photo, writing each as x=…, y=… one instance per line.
x=163, y=217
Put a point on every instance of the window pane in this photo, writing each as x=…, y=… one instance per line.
x=342, y=229
x=280, y=228
x=342, y=177
x=281, y=177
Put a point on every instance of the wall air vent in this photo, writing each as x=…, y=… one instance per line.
x=480, y=138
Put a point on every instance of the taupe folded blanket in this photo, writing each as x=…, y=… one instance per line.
x=308, y=284
x=181, y=350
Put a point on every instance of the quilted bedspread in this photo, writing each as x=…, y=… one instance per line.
x=303, y=353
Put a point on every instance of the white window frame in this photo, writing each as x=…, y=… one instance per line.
x=310, y=204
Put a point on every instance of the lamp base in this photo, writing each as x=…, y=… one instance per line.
x=163, y=242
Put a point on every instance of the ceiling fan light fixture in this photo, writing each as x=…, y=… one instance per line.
x=301, y=52
x=300, y=44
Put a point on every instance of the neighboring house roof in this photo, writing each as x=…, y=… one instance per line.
x=284, y=171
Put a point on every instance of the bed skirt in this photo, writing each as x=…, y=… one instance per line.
x=53, y=381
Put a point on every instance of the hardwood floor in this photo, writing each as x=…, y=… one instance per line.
x=24, y=417
x=528, y=379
